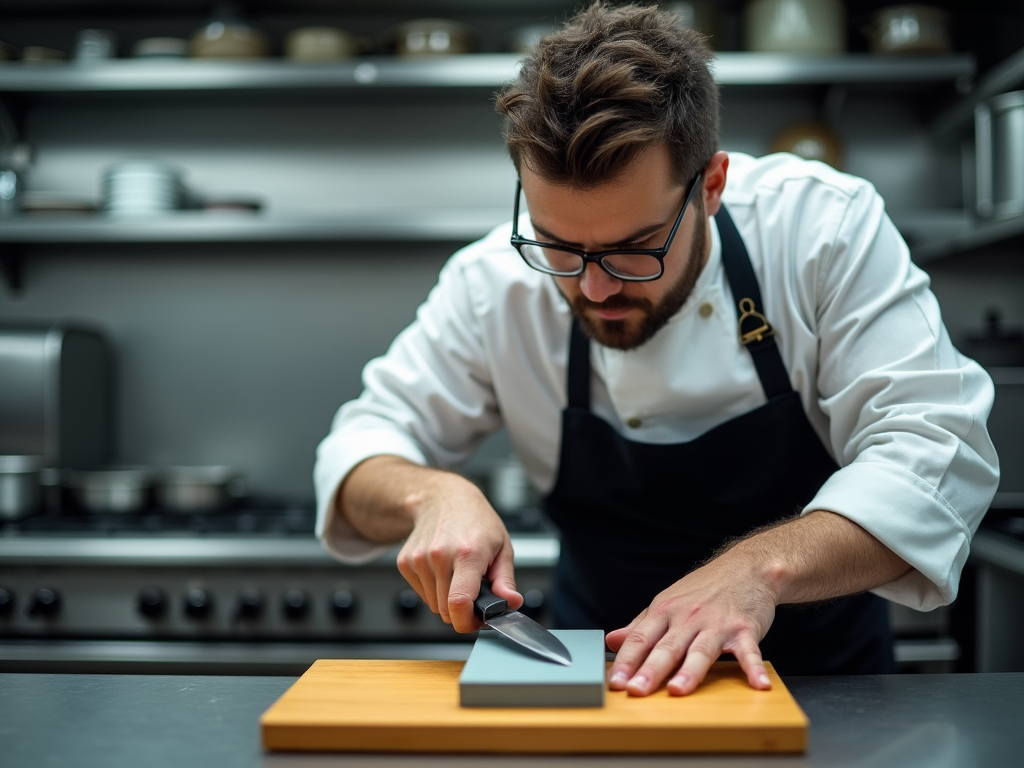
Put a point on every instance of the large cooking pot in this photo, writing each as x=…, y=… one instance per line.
x=999, y=152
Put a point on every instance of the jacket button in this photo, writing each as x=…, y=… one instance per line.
x=634, y=423
x=705, y=309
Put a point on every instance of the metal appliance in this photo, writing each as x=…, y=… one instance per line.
x=57, y=398
x=245, y=590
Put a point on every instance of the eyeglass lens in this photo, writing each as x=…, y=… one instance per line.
x=557, y=262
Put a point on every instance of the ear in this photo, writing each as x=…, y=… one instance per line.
x=715, y=173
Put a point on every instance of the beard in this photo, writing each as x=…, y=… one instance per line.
x=632, y=334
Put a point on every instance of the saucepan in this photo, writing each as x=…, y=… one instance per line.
x=121, y=490
x=198, y=489
x=19, y=486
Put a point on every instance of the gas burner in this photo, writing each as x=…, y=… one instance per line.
x=246, y=520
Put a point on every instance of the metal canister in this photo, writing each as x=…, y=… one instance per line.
x=999, y=148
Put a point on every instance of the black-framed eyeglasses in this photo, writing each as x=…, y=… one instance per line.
x=632, y=264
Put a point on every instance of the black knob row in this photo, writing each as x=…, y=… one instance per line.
x=295, y=604
x=44, y=603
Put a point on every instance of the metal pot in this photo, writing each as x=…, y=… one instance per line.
x=909, y=29
x=999, y=152
x=198, y=489
x=121, y=491
x=20, y=492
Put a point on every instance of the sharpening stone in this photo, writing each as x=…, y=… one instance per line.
x=501, y=674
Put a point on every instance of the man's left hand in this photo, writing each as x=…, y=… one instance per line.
x=725, y=606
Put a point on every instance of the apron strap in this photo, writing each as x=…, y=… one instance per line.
x=579, y=368
x=756, y=333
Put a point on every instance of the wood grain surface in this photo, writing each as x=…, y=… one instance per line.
x=358, y=705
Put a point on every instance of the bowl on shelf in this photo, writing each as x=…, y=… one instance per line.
x=40, y=54
x=901, y=29
x=795, y=26
x=319, y=44
x=229, y=40
x=162, y=48
x=434, y=37
x=142, y=187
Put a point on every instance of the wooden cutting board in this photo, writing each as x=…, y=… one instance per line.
x=413, y=706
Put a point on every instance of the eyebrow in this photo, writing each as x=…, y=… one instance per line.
x=640, y=234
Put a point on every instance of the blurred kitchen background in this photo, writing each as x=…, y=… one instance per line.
x=213, y=214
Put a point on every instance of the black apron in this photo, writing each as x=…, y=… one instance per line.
x=636, y=517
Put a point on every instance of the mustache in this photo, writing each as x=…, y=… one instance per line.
x=582, y=303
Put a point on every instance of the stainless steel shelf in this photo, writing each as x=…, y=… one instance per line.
x=199, y=227
x=475, y=71
x=1008, y=233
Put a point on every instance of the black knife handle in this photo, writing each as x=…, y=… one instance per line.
x=488, y=604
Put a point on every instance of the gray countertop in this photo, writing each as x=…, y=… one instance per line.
x=941, y=721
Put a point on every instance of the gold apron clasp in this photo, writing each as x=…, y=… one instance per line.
x=748, y=310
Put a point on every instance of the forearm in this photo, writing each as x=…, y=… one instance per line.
x=381, y=497
x=819, y=556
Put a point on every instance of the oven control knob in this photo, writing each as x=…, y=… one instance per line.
x=198, y=603
x=295, y=605
x=152, y=603
x=343, y=603
x=534, y=602
x=250, y=604
x=6, y=602
x=45, y=603
x=408, y=603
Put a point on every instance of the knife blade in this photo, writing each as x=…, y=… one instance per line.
x=521, y=629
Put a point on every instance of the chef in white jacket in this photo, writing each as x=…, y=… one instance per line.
x=725, y=375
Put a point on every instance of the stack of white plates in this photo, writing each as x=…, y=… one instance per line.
x=142, y=188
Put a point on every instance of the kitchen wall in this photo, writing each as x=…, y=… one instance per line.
x=240, y=354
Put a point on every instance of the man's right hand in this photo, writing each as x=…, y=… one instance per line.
x=456, y=537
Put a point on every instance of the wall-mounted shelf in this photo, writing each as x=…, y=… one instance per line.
x=442, y=226
x=200, y=227
x=473, y=71
x=1008, y=233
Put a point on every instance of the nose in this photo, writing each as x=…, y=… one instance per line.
x=597, y=285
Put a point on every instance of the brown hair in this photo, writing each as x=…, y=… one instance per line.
x=609, y=84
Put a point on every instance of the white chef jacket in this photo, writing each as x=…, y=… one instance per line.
x=899, y=409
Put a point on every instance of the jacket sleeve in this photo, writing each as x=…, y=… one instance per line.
x=429, y=400
x=907, y=412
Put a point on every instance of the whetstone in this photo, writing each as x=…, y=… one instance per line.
x=501, y=674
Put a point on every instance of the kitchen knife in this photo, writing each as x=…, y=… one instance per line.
x=493, y=612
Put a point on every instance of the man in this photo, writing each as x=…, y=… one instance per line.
x=726, y=375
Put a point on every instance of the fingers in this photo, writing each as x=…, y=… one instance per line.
x=501, y=574
x=635, y=648
x=409, y=571
x=616, y=637
x=469, y=568
x=701, y=654
x=748, y=654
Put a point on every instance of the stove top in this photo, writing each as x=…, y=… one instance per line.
x=255, y=519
